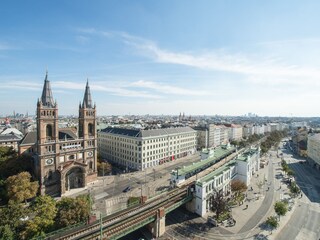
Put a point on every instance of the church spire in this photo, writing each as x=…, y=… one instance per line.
x=46, y=98
x=87, y=102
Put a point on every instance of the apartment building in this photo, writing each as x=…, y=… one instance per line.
x=202, y=137
x=214, y=135
x=224, y=135
x=314, y=150
x=140, y=149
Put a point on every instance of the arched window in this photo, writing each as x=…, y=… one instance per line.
x=49, y=131
x=90, y=129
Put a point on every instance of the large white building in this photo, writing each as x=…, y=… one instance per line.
x=247, y=164
x=241, y=168
x=314, y=150
x=140, y=149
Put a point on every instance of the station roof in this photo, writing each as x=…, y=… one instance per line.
x=219, y=153
x=215, y=173
x=245, y=156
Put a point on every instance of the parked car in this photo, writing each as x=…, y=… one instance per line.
x=212, y=221
x=127, y=189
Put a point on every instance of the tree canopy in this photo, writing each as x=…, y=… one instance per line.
x=11, y=220
x=272, y=222
x=272, y=140
x=44, y=212
x=72, y=210
x=7, y=153
x=218, y=203
x=238, y=186
x=281, y=208
x=20, y=188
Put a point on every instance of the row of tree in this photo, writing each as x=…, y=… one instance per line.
x=281, y=208
x=272, y=140
x=43, y=215
x=246, y=142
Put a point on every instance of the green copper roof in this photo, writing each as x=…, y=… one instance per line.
x=219, y=152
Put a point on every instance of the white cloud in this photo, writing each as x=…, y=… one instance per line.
x=168, y=89
x=118, y=91
x=28, y=85
x=263, y=69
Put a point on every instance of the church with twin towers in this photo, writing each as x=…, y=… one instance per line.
x=64, y=158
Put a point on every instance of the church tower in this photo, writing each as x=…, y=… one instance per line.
x=47, y=132
x=64, y=160
x=87, y=130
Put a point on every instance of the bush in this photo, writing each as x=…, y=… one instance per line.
x=133, y=201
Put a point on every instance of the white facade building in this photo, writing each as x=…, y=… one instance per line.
x=247, y=164
x=140, y=149
x=215, y=181
x=242, y=168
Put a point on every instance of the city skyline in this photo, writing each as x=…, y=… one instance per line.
x=224, y=58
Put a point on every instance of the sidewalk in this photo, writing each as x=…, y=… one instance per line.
x=255, y=197
x=250, y=221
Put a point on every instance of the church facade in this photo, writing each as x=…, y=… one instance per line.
x=64, y=158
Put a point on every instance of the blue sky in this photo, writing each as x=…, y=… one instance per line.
x=163, y=57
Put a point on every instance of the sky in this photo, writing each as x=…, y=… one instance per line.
x=163, y=57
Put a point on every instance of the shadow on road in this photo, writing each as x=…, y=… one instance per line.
x=308, y=185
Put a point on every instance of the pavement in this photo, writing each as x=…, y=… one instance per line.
x=109, y=189
x=252, y=214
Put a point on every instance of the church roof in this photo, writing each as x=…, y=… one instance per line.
x=29, y=138
x=67, y=134
x=47, y=98
x=64, y=134
x=87, y=101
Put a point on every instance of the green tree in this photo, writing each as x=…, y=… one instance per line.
x=7, y=153
x=44, y=211
x=290, y=172
x=13, y=216
x=294, y=189
x=72, y=210
x=20, y=188
x=218, y=203
x=272, y=222
x=15, y=165
x=281, y=208
x=238, y=187
x=6, y=233
x=104, y=168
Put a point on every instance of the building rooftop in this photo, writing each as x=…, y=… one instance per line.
x=219, y=153
x=215, y=173
x=247, y=154
x=29, y=138
x=64, y=134
x=10, y=138
x=147, y=133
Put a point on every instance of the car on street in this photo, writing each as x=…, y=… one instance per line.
x=127, y=189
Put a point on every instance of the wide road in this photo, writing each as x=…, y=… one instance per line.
x=305, y=220
x=156, y=180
